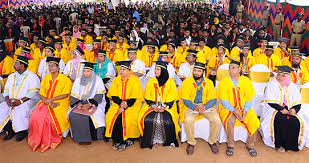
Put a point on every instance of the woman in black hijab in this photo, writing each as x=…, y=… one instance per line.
x=158, y=119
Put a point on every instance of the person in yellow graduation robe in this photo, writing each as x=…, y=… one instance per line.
x=216, y=61
x=114, y=54
x=61, y=52
x=149, y=57
x=174, y=57
x=261, y=50
x=204, y=52
x=121, y=45
x=214, y=50
x=6, y=65
x=269, y=59
x=38, y=52
x=246, y=60
x=87, y=39
x=121, y=118
x=235, y=94
x=48, y=121
x=22, y=42
x=33, y=64
x=35, y=42
x=158, y=118
x=237, y=50
x=93, y=55
x=183, y=47
x=282, y=51
x=300, y=74
x=198, y=99
x=69, y=43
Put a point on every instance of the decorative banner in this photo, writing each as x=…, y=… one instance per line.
x=3, y=3
x=255, y=10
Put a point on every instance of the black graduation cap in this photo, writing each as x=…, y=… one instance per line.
x=163, y=53
x=22, y=59
x=220, y=37
x=50, y=46
x=80, y=50
x=112, y=41
x=88, y=65
x=151, y=45
x=102, y=52
x=299, y=54
x=235, y=62
x=58, y=41
x=194, y=52
x=262, y=28
x=283, y=39
x=23, y=39
x=161, y=64
x=200, y=65
x=284, y=69
x=41, y=40
x=124, y=64
x=26, y=49
x=240, y=38
x=132, y=50
x=53, y=60
x=97, y=40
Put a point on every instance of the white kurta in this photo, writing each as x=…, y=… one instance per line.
x=43, y=67
x=68, y=70
x=17, y=87
x=98, y=118
x=274, y=93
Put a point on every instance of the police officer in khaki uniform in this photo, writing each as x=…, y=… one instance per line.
x=240, y=10
x=298, y=29
x=266, y=14
x=278, y=23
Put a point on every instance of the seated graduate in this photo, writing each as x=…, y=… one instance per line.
x=20, y=92
x=49, y=122
x=87, y=95
x=158, y=118
x=281, y=121
x=121, y=118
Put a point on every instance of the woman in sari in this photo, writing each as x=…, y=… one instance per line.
x=158, y=118
x=48, y=122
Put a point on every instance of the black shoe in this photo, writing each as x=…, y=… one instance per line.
x=9, y=136
x=21, y=135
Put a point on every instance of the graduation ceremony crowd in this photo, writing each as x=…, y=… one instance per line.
x=152, y=74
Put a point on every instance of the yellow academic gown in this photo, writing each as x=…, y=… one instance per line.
x=180, y=49
x=88, y=40
x=117, y=55
x=235, y=53
x=214, y=52
x=258, y=52
x=163, y=47
x=49, y=88
x=6, y=67
x=71, y=46
x=131, y=88
x=188, y=91
x=176, y=60
x=271, y=62
x=89, y=56
x=204, y=54
x=168, y=93
x=302, y=75
x=250, y=61
x=147, y=59
x=63, y=54
x=123, y=48
x=237, y=96
x=280, y=53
